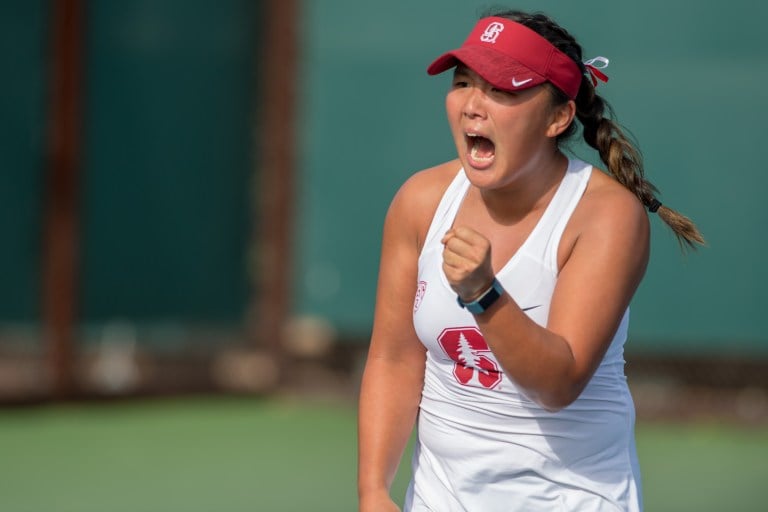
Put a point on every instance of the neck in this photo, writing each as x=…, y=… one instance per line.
x=532, y=191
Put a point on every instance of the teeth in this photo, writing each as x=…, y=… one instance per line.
x=479, y=158
x=474, y=150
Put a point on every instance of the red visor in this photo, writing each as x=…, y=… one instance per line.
x=512, y=57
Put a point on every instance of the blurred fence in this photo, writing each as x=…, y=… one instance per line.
x=170, y=192
x=130, y=156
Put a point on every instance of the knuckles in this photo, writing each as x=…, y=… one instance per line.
x=466, y=259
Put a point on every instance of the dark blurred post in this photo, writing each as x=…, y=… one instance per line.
x=276, y=169
x=60, y=244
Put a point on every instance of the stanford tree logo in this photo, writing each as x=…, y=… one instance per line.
x=420, y=291
x=468, y=349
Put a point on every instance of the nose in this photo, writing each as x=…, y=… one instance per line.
x=474, y=105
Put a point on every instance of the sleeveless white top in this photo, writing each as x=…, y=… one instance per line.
x=482, y=444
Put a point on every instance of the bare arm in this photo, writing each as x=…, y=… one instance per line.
x=602, y=266
x=394, y=371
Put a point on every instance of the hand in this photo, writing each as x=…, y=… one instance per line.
x=378, y=503
x=467, y=262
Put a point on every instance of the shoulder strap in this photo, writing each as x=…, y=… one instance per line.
x=447, y=208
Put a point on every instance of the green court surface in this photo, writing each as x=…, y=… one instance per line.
x=238, y=454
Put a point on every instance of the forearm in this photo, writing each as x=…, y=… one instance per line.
x=389, y=401
x=540, y=361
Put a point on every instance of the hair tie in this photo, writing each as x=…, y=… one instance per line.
x=653, y=207
x=593, y=69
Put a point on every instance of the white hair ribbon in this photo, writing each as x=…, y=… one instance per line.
x=594, y=67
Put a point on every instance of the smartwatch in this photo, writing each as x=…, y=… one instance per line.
x=485, y=300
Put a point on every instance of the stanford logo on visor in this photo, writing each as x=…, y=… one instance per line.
x=492, y=31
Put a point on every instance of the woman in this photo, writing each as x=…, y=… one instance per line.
x=503, y=294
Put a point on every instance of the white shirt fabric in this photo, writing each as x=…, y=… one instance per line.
x=483, y=446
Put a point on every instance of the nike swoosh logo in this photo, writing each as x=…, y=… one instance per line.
x=531, y=307
x=515, y=83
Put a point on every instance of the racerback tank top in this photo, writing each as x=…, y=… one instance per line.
x=482, y=444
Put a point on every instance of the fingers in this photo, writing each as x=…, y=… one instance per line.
x=466, y=260
x=465, y=247
x=465, y=234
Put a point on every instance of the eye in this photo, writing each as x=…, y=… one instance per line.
x=502, y=92
x=458, y=83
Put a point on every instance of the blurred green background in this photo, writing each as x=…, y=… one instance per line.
x=169, y=246
x=170, y=96
x=685, y=78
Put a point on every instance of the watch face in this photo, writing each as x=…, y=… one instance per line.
x=489, y=298
x=485, y=301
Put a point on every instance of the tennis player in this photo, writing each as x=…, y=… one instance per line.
x=504, y=288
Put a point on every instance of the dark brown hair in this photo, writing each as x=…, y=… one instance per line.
x=601, y=132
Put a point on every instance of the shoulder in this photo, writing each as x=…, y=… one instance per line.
x=605, y=195
x=427, y=186
x=607, y=211
x=415, y=202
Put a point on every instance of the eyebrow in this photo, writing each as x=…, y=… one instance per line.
x=464, y=70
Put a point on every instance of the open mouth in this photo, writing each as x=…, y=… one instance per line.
x=482, y=150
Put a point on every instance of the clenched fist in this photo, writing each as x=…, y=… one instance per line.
x=467, y=262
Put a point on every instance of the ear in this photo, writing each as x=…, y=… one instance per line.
x=562, y=117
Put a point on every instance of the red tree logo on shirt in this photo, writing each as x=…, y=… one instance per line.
x=468, y=349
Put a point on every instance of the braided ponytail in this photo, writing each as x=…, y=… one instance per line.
x=616, y=150
x=625, y=162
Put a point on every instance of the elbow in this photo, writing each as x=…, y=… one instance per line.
x=554, y=405
x=555, y=400
x=562, y=388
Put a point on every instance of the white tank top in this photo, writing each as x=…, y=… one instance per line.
x=482, y=444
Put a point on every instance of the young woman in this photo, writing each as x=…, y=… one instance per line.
x=503, y=294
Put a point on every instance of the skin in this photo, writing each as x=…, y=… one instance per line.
x=602, y=257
